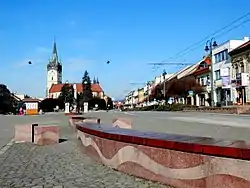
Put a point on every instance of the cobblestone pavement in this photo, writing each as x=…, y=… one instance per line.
x=25, y=165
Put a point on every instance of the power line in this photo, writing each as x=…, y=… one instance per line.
x=217, y=36
x=198, y=44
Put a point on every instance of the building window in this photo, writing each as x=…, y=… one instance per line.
x=221, y=56
x=202, y=82
x=51, y=78
x=217, y=75
x=226, y=54
x=242, y=68
x=236, y=69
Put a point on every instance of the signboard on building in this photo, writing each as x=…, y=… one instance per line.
x=225, y=81
x=225, y=72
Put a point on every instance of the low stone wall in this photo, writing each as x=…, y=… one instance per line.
x=176, y=160
x=226, y=110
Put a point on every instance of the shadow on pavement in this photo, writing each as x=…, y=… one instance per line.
x=62, y=140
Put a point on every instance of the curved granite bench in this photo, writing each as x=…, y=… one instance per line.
x=176, y=160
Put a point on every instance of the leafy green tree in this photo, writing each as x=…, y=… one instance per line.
x=86, y=94
x=110, y=103
x=7, y=101
x=67, y=94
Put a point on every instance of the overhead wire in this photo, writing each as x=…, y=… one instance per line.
x=202, y=41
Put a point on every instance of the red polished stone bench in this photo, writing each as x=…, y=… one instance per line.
x=176, y=160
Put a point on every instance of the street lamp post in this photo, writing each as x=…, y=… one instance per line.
x=75, y=97
x=164, y=86
x=210, y=45
x=148, y=84
x=85, y=103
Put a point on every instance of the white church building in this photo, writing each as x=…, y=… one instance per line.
x=54, y=79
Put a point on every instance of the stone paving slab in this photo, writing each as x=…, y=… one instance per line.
x=25, y=165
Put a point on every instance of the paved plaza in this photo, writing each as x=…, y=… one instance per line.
x=25, y=165
x=63, y=165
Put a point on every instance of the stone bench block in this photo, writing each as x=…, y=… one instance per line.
x=46, y=135
x=124, y=123
x=23, y=133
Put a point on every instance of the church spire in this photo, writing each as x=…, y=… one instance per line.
x=54, y=47
x=97, y=81
x=54, y=53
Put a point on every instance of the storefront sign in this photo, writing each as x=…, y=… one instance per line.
x=225, y=72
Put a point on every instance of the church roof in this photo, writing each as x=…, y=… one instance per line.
x=57, y=88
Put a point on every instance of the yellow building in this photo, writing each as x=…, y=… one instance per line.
x=141, y=95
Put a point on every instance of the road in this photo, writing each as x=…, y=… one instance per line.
x=222, y=126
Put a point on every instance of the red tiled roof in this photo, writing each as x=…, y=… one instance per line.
x=207, y=60
x=57, y=88
x=200, y=70
x=241, y=47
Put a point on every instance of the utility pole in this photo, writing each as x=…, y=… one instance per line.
x=210, y=45
x=164, y=83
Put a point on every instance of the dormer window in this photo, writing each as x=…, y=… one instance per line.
x=203, y=65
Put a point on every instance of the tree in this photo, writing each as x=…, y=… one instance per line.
x=109, y=103
x=7, y=101
x=86, y=94
x=67, y=94
x=156, y=93
x=49, y=104
x=180, y=87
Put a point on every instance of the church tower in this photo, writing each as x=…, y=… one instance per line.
x=54, y=70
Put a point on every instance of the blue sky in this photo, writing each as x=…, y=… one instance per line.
x=129, y=33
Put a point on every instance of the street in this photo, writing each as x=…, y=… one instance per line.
x=223, y=126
